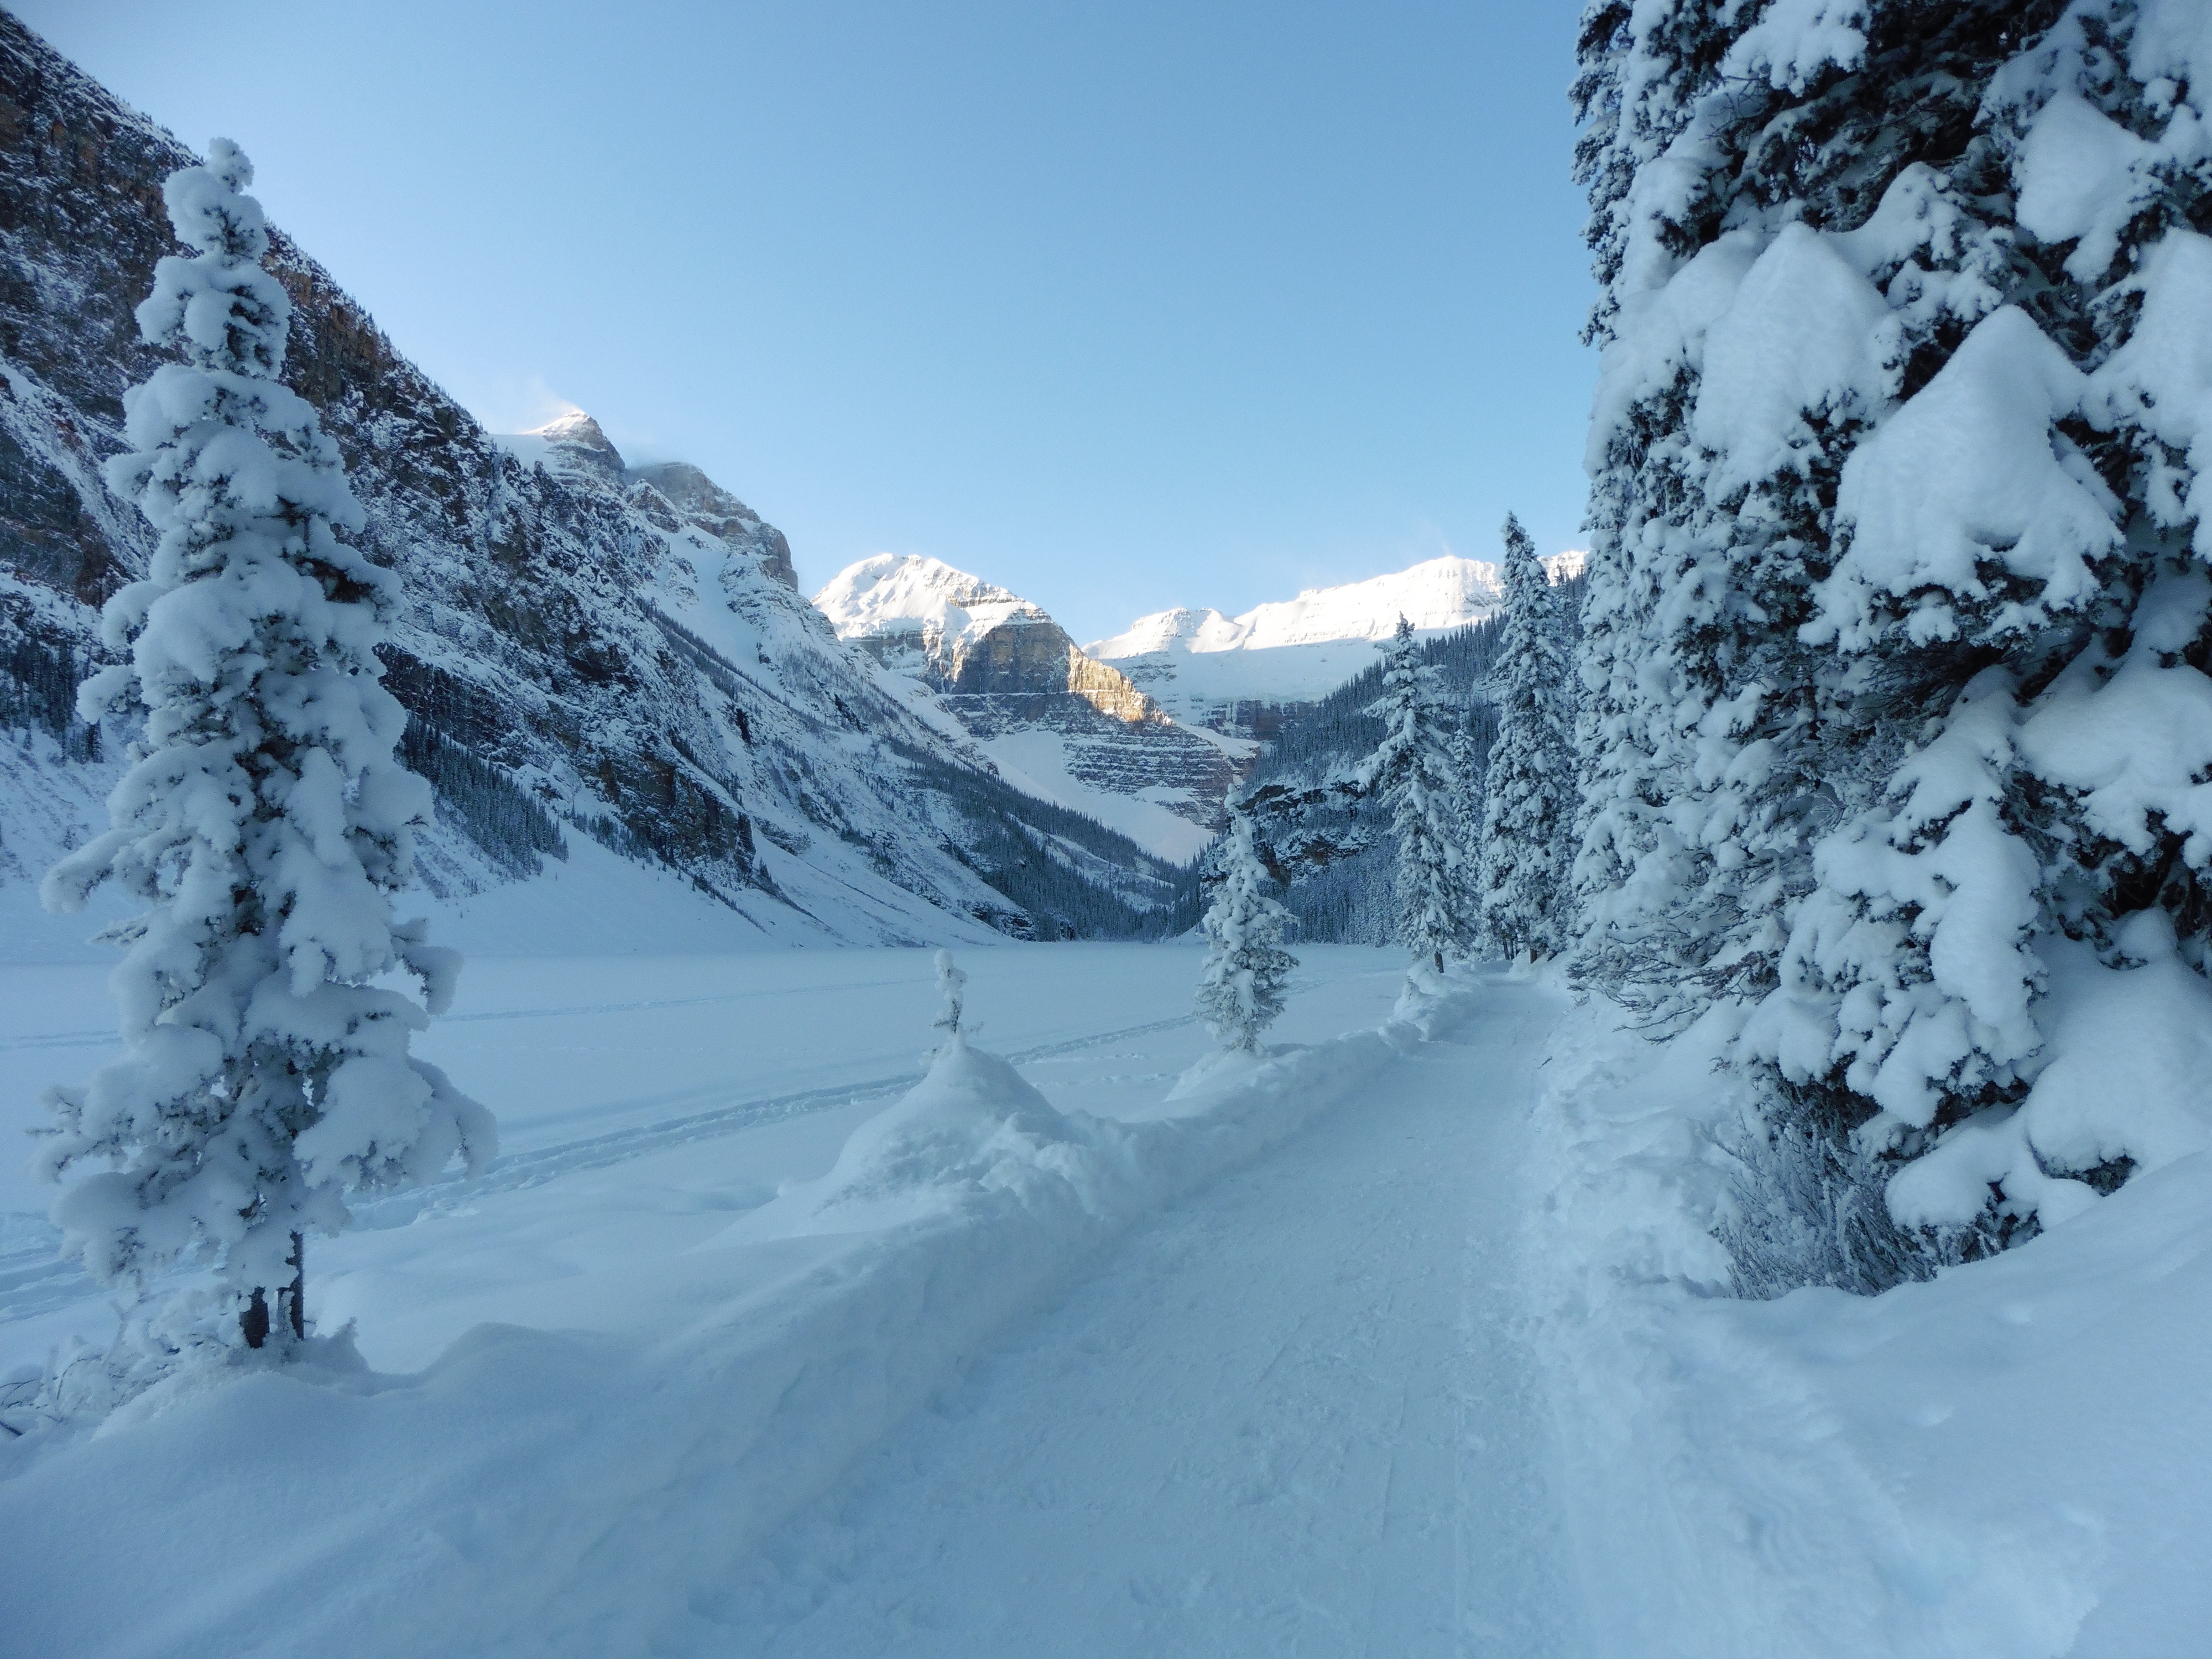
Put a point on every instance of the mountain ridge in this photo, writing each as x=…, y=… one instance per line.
x=1248, y=674
x=580, y=651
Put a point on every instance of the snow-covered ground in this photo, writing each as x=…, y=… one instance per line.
x=603, y=1373
x=600, y=1062
x=1042, y=763
x=1405, y=1343
x=1292, y=1415
x=2014, y=1459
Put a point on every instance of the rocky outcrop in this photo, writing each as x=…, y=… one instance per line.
x=621, y=651
x=703, y=501
x=671, y=493
x=1108, y=690
x=964, y=637
x=1011, y=676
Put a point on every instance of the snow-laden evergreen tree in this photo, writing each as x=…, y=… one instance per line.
x=1471, y=734
x=1412, y=771
x=1240, y=986
x=1468, y=761
x=1898, y=604
x=263, y=823
x=1525, y=898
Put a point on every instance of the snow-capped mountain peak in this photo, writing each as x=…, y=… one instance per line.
x=1181, y=629
x=570, y=443
x=906, y=593
x=1055, y=722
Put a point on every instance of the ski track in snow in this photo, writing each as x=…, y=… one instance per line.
x=33, y=1280
x=1292, y=1414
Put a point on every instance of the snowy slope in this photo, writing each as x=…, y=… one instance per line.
x=1200, y=663
x=2009, y=1460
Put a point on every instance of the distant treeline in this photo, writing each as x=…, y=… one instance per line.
x=1073, y=876
x=482, y=802
x=1347, y=898
x=38, y=678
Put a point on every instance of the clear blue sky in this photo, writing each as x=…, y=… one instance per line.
x=1123, y=305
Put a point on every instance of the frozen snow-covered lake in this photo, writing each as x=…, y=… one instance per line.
x=654, y=1095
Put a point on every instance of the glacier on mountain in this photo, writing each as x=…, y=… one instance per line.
x=1245, y=674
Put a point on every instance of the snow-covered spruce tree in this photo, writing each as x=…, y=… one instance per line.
x=1468, y=758
x=1898, y=605
x=1413, y=773
x=263, y=823
x=1240, y=987
x=1525, y=898
x=1472, y=732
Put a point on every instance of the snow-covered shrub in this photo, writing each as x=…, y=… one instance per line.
x=972, y=1134
x=1898, y=609
x=1240, y=986
x=1411, y=770
x=1524, y=895
x=263, y=823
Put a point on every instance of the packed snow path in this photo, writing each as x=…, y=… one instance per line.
x=1292, y=1415
x=626, y=1399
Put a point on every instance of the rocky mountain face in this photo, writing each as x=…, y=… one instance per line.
x=586, y=648
x=1249, y=674
x=672, y=495
x=1054, y=719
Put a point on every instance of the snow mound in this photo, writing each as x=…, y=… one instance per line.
x=972, y=1131
x=2006, y=1460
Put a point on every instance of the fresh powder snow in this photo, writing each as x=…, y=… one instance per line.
x=1405, y=1340
x=1798, y=1244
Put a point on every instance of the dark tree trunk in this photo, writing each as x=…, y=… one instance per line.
x=253, y=1323
x=296, y=1293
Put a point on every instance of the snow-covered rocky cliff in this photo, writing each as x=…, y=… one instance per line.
x=1244, y=674
x=574, y=447
x=590, y=654
x=989, y=664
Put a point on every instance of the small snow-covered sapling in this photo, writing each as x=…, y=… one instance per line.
x=1241, y=983
x=950, y=983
